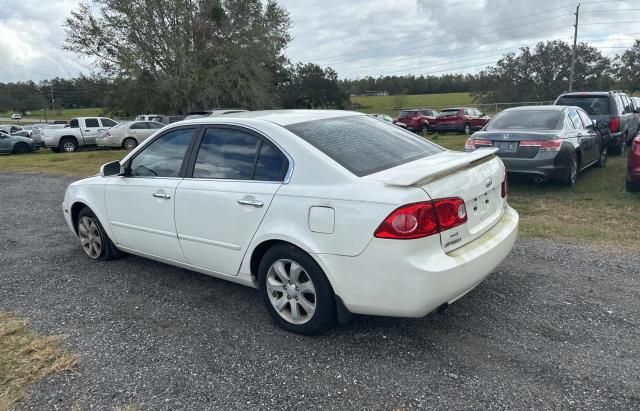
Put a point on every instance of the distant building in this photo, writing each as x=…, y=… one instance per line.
x=376, y=93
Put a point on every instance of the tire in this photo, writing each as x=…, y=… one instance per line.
x=21, y=148
x=68, y=145
x=307, y=312
x=572, y=176
x=602, y=161
x=93, y=239
x=467, y=128
x=129, y=143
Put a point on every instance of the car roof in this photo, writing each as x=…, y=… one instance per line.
x=284, y=117
x=538, y=108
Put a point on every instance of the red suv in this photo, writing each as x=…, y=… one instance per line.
x=633, y=166
x=462, y=119
x=417, y=120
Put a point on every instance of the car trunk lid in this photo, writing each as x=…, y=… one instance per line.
x=517, y=144
x=475, y=177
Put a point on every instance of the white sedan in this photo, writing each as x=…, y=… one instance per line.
x=326, y=213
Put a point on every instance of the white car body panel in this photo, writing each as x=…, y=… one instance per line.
x=321, y=208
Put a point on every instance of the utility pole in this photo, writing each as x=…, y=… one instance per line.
x=575, y=45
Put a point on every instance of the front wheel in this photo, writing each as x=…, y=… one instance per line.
x=21, y=148
x=296, y=291
x=602, y=161
x=68, y=145
x=94, y=240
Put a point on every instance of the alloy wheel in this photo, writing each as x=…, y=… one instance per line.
x=467, y=129
x=130, y=144
x=291, y=291
x=90, y=237
x=69, y=146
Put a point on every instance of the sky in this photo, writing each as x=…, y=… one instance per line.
x=358, y=38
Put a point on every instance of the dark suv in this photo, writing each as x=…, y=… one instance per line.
x=613, y=108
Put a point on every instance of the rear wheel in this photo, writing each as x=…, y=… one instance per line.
x=572, y=175
x=296, y=291
x=94, y=240
x=467, y=128
x=129, y=143
x=68, y=145
x=21, y=148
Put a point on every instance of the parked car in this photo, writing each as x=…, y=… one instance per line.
x=15, y=144
x=388, y=119
x=167, y=119
x=129, y=134
x=415, y=119
x=36, y=133
x=612, y=108
x=544, y=142
x=399, y=233
x=462, y=120
x=9, y=128
x=16, y=116
x=22, y=133
x=82, y=132
x=146, y=117
x=633, y=166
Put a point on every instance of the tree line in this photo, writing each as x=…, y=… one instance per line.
x=178, y=56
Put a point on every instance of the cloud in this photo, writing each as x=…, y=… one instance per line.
x=356, y=37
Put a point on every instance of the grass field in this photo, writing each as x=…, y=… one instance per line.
x=390, y=104
x=25, y=358
x=64, y=114
x=597, y=209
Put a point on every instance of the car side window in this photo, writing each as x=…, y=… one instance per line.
x=164, y=156
x=136, y=126
x=74, y=123
x=108, y=122
x=568, y=124
x=619, y=104
x=91, y=122
x=585, y=118
x=155, y=126
x=232, y=154
x=575, y=118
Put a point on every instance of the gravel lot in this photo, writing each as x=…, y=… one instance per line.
x=555, y=327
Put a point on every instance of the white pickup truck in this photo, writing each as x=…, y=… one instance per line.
x=82, y=132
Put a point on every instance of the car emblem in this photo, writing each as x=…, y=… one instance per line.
x=488, y=182
x=505, y=136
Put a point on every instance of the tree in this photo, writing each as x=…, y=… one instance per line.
x=311, y=86
x=628, y=68
x=193, y=54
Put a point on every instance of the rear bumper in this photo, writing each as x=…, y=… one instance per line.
x=412, y=278
x=549, y=165
x=448, y=127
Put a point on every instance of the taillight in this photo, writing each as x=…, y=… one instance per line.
x=420, y=220
x=635, y=148
x=535, y=143
x=505, y=186
x=472, y=143
x=614, y=124
x=551, y=145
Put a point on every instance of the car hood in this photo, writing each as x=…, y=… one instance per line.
x=22, y=139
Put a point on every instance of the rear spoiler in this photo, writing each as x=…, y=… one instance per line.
x=427, y=170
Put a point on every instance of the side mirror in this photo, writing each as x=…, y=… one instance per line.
x=113, y=168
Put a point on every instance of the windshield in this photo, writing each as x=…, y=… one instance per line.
x=593, y=105
x=364, y=145
x=526, y=120
x=448, y=113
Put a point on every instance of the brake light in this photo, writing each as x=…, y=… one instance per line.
x=423, y=219
x=551, y=145
x=472, y=143
x=614, y=124
x=505, y=186
x=537, y=143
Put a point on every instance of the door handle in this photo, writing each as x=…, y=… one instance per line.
x=162, y=195
x=253, y=203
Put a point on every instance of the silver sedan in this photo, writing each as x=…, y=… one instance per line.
x=129, y=134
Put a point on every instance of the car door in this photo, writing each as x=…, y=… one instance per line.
x=592, y=131
x=106, y=124
x=5, y=142
x=231, y=182
x=141, y=204
x=145, y=131
x=91, y=130
x=586, y=140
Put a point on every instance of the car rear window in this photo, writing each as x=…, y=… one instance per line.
x=593, y=105
x=364, y=145
x=526, y=120
x=407, y=113
x=448, y=113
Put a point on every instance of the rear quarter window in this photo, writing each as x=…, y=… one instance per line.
x=364, y=145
